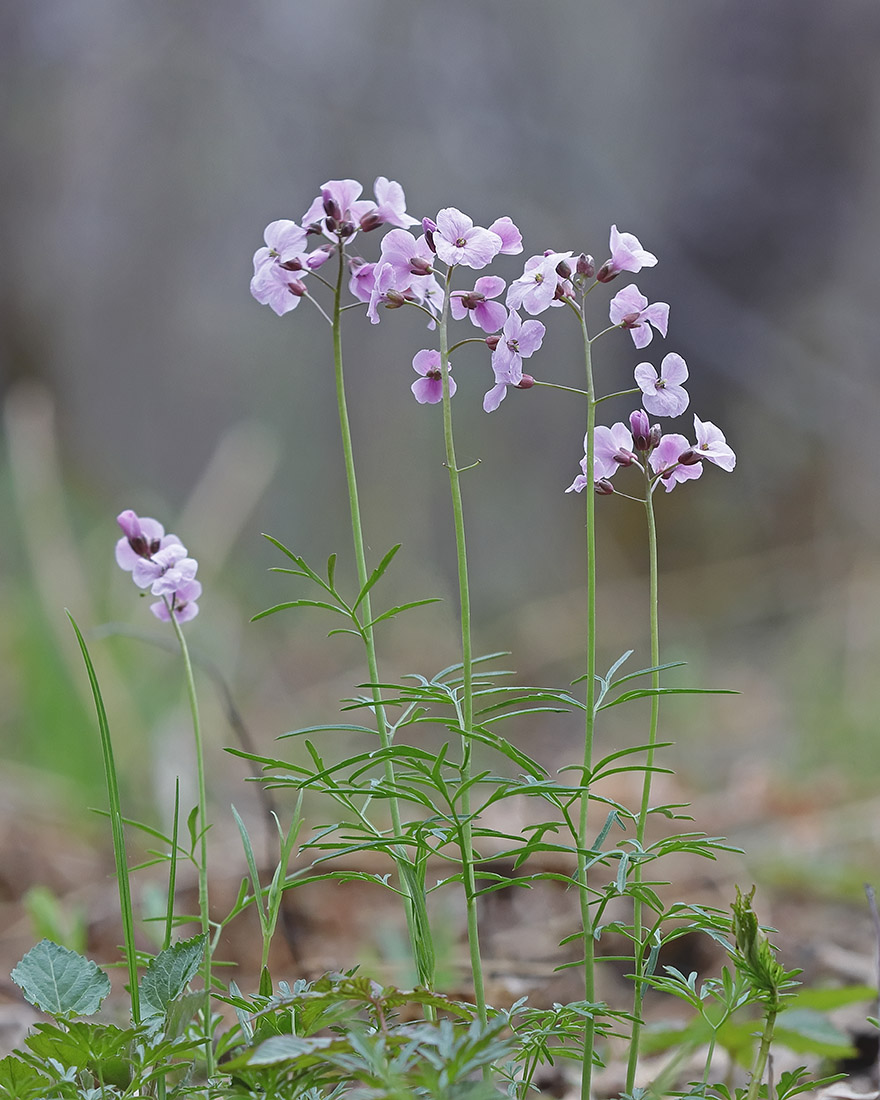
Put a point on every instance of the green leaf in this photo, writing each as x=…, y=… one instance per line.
x=401, y=607
x=644, y=693
x=807, y=1032
x=375, y=575
x=19, y=1081
x=60, y=981
x=298, y=603
x=169, y=973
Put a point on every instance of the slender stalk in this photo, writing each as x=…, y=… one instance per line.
x=763, y=1050
x=467, y=699
x=641, y=827
x=202, y=863
x=589, y=944
x=419, y=929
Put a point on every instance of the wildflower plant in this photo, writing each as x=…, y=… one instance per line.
x=427, y=810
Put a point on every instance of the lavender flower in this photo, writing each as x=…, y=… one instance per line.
x=629, y=308
x=519, y=340
x=627, y=254
x=429, y=388
x=159, y=562
x=663, y=393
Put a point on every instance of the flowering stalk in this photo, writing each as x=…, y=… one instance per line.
x=419, y=930
x=589, y=943
x=641, y=826
x=467, y=704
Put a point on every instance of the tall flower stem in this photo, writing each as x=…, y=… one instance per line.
x=416, y=917
x=641, y=826
x=589, y=944
x=467, y=700
x=202, y=862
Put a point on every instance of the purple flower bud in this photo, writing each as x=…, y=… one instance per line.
x=526, y=382
x=606, y=272
x=603, y=487
x=563, y=269
x=492, y=342
x=640, y=427
x=331, y=206
x=430, y=228
x=586, y=266
x=656, y=435
x=331, y=223
x=371, y=221
x=295, y=264
x=345, y=229
x=623, y=457
x=394, y=299
x=689, y=457
x=418, y=265
x=297, y=288
x=313, y=229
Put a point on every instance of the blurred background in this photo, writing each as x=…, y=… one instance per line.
x=147, y=146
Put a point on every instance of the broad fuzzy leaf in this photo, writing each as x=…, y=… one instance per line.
x=61, y=982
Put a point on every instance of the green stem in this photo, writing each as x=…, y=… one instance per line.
x=589, y=944
x=763, y=1051
x=203, y=838
x=467, y=701
x=641, y=827
x=419, y=931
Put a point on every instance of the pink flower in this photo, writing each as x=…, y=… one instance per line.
x=407, y=255
x=143, y=537
x=158, y=561
x=666, y=460
x=362, y=280
x=337, y=211
x=489, y=316
x=629, y=309
x=391, y=203
x=519, y=340
x=663, y=394
x=612, y=448
x=429, y=388
x=627, y=254
x=535, y=289
x=182, y=602
x=275, y=286
x=511, y=238
x=712, y=445
x=458, y=241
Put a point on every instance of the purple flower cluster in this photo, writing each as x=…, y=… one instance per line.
x=159, y=562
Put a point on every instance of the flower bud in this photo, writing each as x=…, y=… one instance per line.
x=586, y=266
x=313, y=229
x=331, y=223
x=331, y=206
x=292, y=265
x=371, y=221
x=394, y=299
x=641, y=430
x=563, y=270
x=297, y=288
x=429, y=227
x=346, y=229
x=525, y=383
x=624, y=458
x=656, y=435
x=418, y=265
x=607, y=272
x=689, y=457
x=603, y=487
x=492, y=342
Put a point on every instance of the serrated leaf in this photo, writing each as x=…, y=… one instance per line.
x=169, y=973
x=61, y=982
